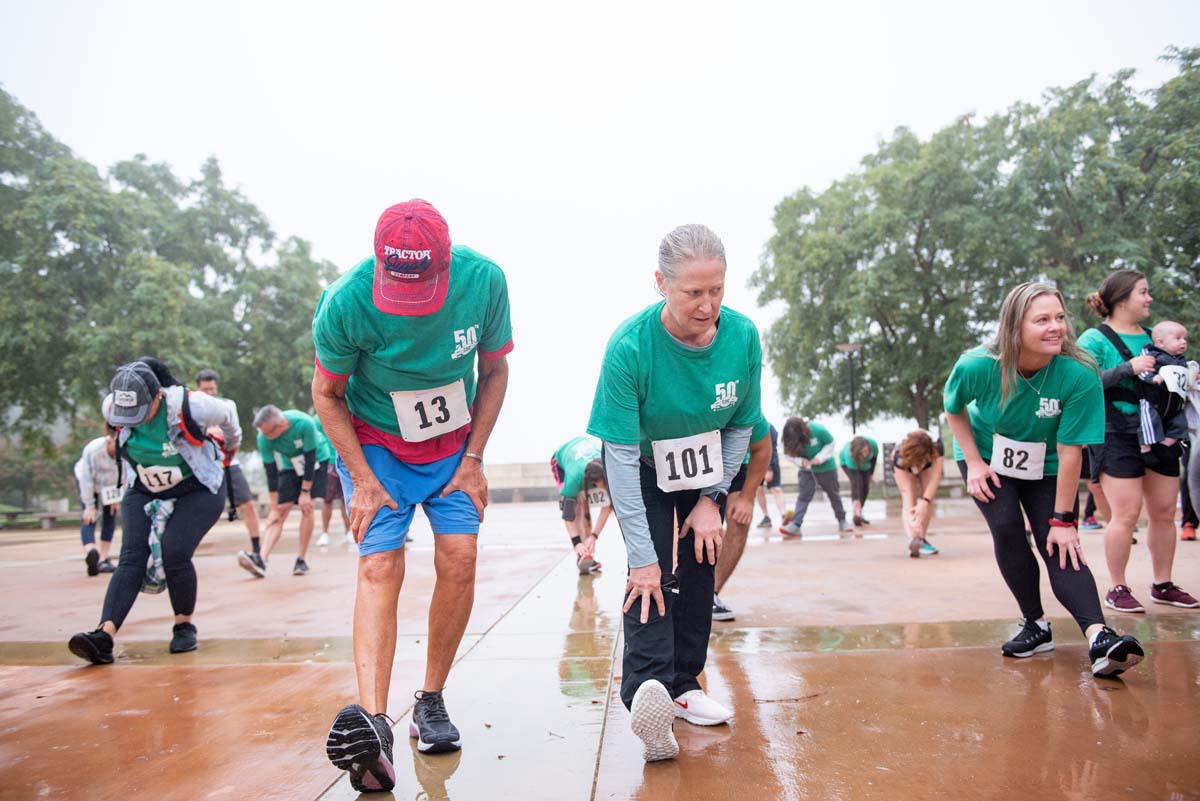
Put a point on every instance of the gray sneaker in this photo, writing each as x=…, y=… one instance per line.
x=790, y=529
x=300, y=568
x=720, y=610
x=843, y=526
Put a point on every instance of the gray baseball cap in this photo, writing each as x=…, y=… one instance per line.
x=134, y=387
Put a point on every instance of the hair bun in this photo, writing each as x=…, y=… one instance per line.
x=1097, y=305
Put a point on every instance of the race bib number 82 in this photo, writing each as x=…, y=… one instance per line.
x=1018, y=459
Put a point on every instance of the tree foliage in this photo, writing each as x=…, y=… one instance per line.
x=97, y=269
x=911, y=254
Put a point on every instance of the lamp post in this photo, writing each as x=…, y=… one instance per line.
x=850, y=348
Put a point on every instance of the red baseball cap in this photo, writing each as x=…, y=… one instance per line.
x=412, y=259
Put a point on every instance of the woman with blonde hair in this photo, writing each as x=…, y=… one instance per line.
x=1021, y=409
x=918, y=463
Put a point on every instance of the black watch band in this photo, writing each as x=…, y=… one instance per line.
x=716, y=496
x=1063, y=517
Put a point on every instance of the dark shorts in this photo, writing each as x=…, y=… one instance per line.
x=241, y=489
x=289, y=484
x=1121, y=457
x=776, y=479
x=738, y=481
x=333, y=485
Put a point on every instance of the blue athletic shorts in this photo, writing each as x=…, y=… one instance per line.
x=409, y=485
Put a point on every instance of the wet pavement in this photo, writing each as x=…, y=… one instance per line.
x=854, y=673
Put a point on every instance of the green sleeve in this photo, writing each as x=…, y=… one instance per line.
x=749, y=411
x=844, y=457
x=497, y=327
x=572, y=481
x=336, y=351
x=265, y=450
x=615, y=414
x=823, y=437
x=960, y=389
x=1082, y=418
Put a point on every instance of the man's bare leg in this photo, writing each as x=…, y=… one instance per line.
x=450, y=607
x=732, y=546
x=275, y=529
x=380, y=576
x=307, y=521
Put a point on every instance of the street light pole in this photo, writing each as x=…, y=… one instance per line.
x=850, y=348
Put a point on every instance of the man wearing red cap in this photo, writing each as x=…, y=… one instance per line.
x=398, y=339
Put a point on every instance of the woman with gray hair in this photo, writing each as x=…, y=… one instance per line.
x=1021, y=410
x=676, y=407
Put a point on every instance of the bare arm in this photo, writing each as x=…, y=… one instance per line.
x=489, y=397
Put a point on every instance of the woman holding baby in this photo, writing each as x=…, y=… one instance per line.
x=1133, y=466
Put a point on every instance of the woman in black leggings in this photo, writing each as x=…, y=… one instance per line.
x=1021, y=410
x=165, y=455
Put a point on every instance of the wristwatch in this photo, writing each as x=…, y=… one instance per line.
x=716, y=496
x=1063, y=520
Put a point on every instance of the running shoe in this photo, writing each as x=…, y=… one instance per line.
x=914, y=547
x=927, y=548
x=431, y=725
x=789, y=529
x=861, y=521
x=1031, y=639
x=720, y=610
x=1121, y=598
x=93, y=562
x=183, y=638
x=585, y=564
x=765, y=522
x=300, y=568
x=94, y=646
x=252, y=563
x=695, y=706
x=1113, y=654
x=1172, y=594
x=844, y=526
x=652, y=716
x=787, y=516
x=1090, y=524
x=106, y=566
x=1187, y=532
x=323, y=540
x=362, y=744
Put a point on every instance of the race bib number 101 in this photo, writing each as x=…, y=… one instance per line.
x=688, y=463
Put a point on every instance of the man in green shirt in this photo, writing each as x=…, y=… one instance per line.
x=294, y=454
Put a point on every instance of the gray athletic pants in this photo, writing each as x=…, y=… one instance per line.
x=808, y=487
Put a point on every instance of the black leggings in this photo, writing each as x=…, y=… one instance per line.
x=196, y=510
x=674, y=648
x=860, y=483
x=1074, y=589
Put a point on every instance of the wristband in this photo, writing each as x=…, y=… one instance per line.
x=1065, y=517
x=1061, y=523
x=576, y=541
x=923, y=498
x=474, y=456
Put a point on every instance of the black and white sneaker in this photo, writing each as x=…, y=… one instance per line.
x=92, y=560
x=106, y=566
x=183, y=638
x=1112, y=654
x=1031, y=639
x=720, y=610
x=431, y=725
x=362, y=744
x=252, y=563
x=94, y=646
x=300, y=568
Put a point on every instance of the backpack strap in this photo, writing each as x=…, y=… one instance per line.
x=192, y=431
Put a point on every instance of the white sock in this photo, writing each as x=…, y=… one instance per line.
x=1043, y=625
x=1095, y=634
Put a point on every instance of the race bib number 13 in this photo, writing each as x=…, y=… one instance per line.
x=427, y=413
x=688, y=463
x=1011, y=457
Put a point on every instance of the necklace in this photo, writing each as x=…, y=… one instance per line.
x=1038, y=389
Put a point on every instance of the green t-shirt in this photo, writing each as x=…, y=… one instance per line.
x=1095, y=343
x=820, y=438
x=847, y=461
x=301, y=436
x=383, y=353
x=653, y=387
x=572, y=458
x=325, y=451
x=1061, y=403
x=149, y=445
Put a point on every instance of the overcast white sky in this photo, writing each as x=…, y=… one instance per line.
x=561, y=139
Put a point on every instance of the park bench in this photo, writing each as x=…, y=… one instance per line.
x=50, y=519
